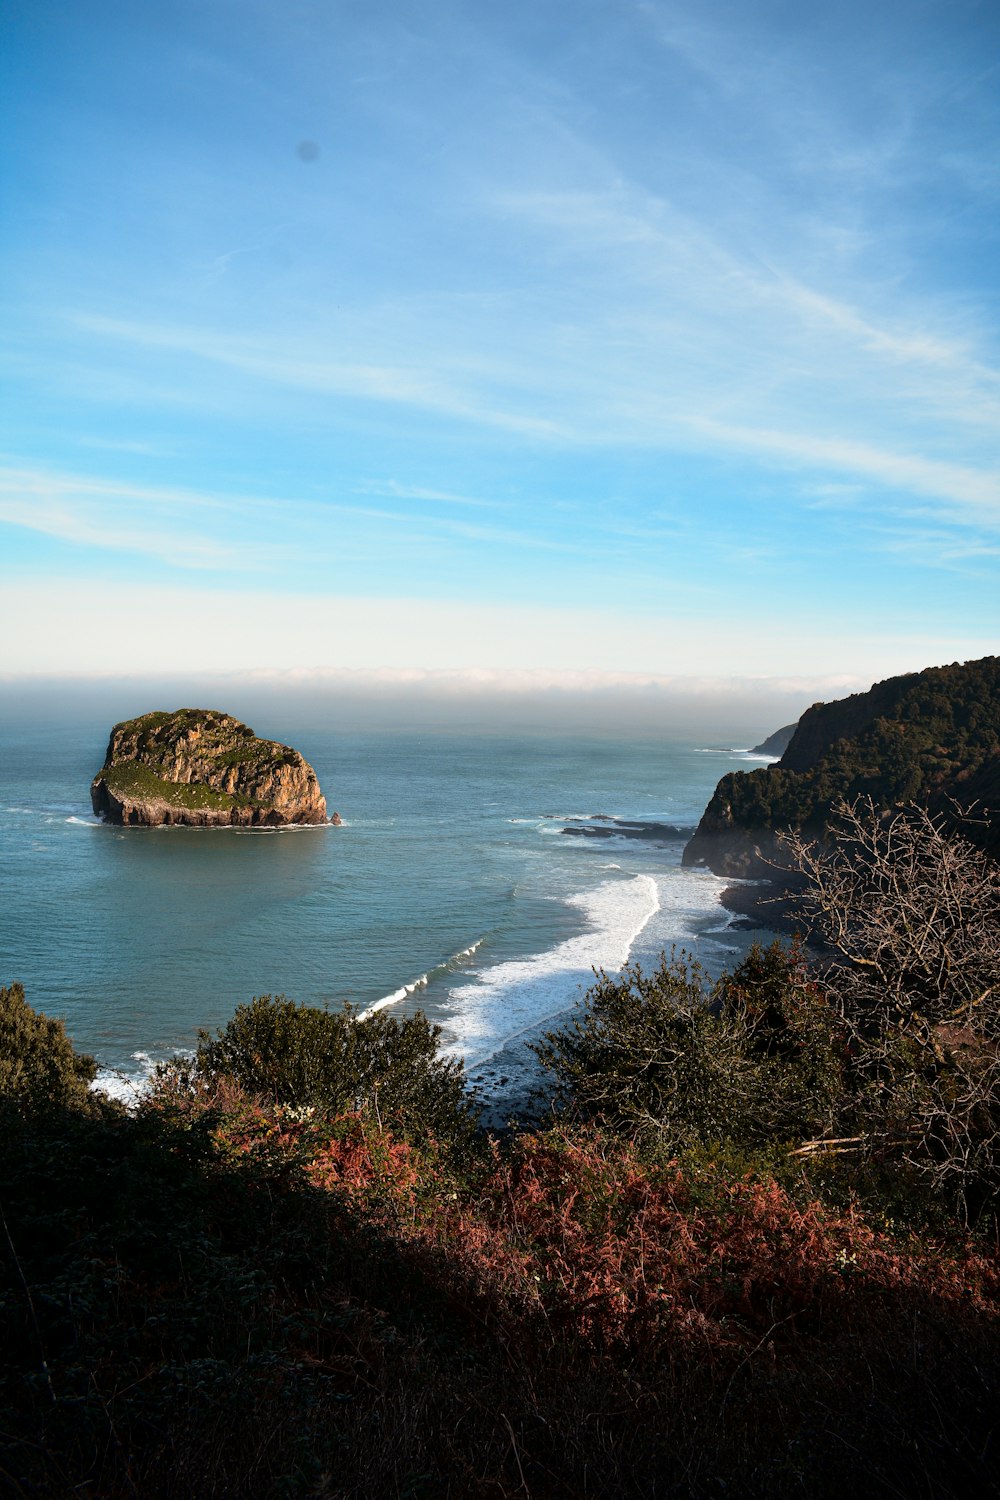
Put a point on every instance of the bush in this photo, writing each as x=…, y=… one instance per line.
x=666, y=1058
x=217, y=1298
x=336, y=1061
x=39, y=1067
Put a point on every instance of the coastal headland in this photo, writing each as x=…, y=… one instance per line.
x=930, y=738
x=206, y=769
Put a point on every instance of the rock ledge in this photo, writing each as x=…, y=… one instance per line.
x=204, y=768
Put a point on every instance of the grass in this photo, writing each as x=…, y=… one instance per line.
x=132, y=781
x=224, y=743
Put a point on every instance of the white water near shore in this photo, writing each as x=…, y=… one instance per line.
x=421, y=983
x=507, y=1009
x=508, y=1000
x=128, y=1084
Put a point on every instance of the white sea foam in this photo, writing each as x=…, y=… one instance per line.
x=256, y=828
x=127, y=1084
x=508, y=1000
x=183, y=830
x=743, y=753
x=397, y=995
x=423, y=981
x=689, y=895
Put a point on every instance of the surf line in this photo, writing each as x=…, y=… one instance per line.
x=514, y=998
x=423, y=981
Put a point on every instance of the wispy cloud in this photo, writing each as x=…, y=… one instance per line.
x=695, y=301
x=711, y=399
x=143, y=521
x=417, y=385
x=692, y=274
x=726, y=341
x=125, y=445
x=938, y=548
x=918, y=346
x=394, y=489
x=975, y=491
x=190, y=529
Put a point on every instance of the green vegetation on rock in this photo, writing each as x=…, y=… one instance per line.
x=776, y=743
x=136, y=782
x=928, y=737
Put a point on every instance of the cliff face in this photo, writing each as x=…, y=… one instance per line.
x=931, y=737
x=725, y=843
x=776, y=743
x=205, y=768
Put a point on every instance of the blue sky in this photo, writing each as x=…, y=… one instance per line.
x=592, y=337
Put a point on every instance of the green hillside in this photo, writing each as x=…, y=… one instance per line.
x=931, y=737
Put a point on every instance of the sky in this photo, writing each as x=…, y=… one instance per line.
x=592, y=340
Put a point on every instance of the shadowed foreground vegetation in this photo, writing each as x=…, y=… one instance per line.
x=729, y=1263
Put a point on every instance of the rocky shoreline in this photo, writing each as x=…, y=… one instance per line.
x=761, y=906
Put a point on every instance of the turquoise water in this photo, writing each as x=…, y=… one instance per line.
x=453, y=885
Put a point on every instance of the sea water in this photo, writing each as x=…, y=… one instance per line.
x=479, y=875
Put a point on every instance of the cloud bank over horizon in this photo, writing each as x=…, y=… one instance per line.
x=646, y=339
x=131, y=628
x=725, y=712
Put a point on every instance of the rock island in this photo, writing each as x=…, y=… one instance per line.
x=204, y=768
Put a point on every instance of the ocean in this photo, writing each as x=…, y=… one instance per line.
x=480, y=875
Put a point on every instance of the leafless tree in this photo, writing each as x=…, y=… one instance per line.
x=909, y=912
x=910, y=909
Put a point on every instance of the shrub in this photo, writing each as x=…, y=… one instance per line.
x=337, y=1061
x=667, y=1058
x=39, y=1067
x=220, y=1297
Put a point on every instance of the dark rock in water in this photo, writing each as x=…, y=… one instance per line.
x=776, y=743
x=761, y=905
x=612, y=828
x=204, y=768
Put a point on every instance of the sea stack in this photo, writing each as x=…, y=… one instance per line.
x=204, y=768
